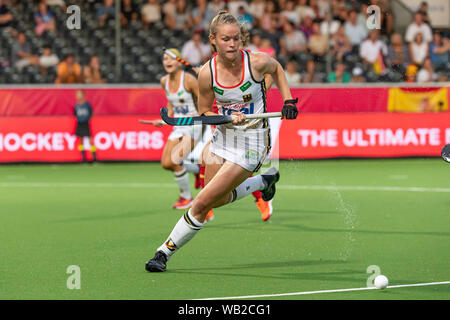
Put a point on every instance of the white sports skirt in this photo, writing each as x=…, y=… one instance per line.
x=195, y=132
x=246, y=148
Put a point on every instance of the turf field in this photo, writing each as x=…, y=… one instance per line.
x=332, y=220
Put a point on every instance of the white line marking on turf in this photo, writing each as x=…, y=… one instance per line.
x=173, y=185
x=324, y=291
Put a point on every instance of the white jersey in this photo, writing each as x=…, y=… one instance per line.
x=246, y=145
x=248, y=96
x=181, y=100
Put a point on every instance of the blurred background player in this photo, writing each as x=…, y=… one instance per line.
x=181, y=90
x=83, y=112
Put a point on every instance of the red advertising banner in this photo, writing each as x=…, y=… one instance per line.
x=363, y=135
x=313, y=100
x=61, y=101
x=52, y=139
x=311, y=136
x=54, y=101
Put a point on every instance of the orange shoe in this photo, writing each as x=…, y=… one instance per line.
x=265, y=207
x=209, y=216
x=183, y=203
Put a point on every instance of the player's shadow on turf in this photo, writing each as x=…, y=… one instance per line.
x=265, y=265
x=340, y=276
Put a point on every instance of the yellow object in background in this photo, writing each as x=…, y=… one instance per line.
x=417, y=100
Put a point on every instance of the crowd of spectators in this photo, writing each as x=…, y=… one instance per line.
x=304, y=35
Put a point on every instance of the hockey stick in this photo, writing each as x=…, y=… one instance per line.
x=212, y=120
x=445, y=153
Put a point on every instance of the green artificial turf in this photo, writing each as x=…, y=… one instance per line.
x=332, y=219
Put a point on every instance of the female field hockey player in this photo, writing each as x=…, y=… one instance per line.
x=235, y=79
x=181, y=90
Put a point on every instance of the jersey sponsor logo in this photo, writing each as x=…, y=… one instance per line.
x=182, y=109
x=247, y=97
x=243, y=108
x=180, y=92
x=218, y=91
x=245, y=86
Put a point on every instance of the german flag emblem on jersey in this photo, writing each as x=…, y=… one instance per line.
x=170, y=245
x=247, y=97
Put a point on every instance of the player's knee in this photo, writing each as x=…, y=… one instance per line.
x=201, y=205
x=168, y=165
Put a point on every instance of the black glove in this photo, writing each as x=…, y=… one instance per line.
x=289, y=110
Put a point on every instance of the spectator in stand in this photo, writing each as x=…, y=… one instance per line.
x=398, y=53
x=245, y=18
x=273, y=35
x=169, y=8
x=315, y=8
x=310, y=75
x=342, y=15
x=363, y=15
x=357, y=75
x=92, y=73
x=439, y=51
x=202, y=15
x=339, y=75
x=69, y=71
x=6, y=17
x=411, y=72
x=151, y=13
x=21, y=53
x=329, y=28
x=59, y=3
x=257, y=10
x=418, y=50
x=234, y=5
x=423, y=9
x=292, y=75
x=426, y=73
x=255, y=43
x=341, y=44
x=324, y=7
x=318, y=43
x=181, y=19
x=307, y=26
x=195, y=51
x=386, y=16
x=216, y=5
x=266, y=46
x=417, y=26
x=289, y=14
x=47, y=59
x=355, y=32
x=128, y=12
x=292, y=41
x=105, y=12
x=45, y=20
x=303, y=10
x=372, y=48
x=265, y=22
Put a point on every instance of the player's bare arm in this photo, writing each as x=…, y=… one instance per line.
x=263, y=65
